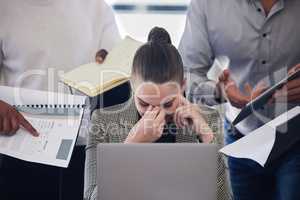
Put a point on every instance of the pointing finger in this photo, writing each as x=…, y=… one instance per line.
x=27, y=126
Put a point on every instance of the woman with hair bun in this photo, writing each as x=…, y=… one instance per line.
x=157, y=111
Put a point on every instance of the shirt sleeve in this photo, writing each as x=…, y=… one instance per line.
x=110, y=32
x=197, y=55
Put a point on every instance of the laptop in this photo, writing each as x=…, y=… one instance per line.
x=157, y=171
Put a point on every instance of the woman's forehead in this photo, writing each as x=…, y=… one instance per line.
x=153, y=89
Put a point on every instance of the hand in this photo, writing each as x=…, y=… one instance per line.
x=149, y=128
x=100, y=56
x=11, y=120
x=231, y=91
x=290, y=92
x=188, y=114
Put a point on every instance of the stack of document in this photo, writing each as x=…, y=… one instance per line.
x=94, y=79
x=56, y=117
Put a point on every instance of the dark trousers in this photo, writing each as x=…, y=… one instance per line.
x=250, y=181
x=23, y=180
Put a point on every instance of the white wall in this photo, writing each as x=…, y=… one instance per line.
x=138, y=24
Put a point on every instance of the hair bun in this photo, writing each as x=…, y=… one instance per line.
x=159, y=35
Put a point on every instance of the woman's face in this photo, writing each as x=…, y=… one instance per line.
x=166, y=96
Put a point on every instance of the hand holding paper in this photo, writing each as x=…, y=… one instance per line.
x=220, y=64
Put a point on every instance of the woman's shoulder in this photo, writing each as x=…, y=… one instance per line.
x=114, y=113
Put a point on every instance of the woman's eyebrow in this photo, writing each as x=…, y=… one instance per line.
x=142, y=101
x=170, y=101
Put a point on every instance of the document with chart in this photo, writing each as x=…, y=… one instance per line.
x=56, y=117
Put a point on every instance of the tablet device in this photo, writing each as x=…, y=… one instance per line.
x=263, y=99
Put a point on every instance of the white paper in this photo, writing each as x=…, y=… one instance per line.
x=220, y=64
x=44, y=148
x=258, y=144
x=57, y=134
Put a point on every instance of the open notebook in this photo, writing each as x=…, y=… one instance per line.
x=93, y=79
x=56, y=117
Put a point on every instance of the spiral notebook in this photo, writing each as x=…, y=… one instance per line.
x=57, y=118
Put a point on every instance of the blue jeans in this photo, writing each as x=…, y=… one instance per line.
x=250, y=181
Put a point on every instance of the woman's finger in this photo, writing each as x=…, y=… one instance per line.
x=148, y=111
x=153, y=113
x=176, y=117
x=183, y=101
x=186, y=119
x=161, y=116
x=180, y=117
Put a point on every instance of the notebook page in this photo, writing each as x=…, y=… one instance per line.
x=96, y=77
x=121, y=57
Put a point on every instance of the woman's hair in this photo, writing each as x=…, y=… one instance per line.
x=158, y=60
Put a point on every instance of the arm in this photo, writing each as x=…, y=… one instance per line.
x=110, y=33
x=197, y=55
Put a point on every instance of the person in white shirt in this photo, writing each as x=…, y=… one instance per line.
x=40, y=40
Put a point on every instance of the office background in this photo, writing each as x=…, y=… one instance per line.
x=137, y=17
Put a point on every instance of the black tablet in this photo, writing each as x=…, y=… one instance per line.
x=262, y=99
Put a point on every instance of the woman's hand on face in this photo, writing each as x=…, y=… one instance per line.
x=189, y=115
x=11, y=120
x=149, y=128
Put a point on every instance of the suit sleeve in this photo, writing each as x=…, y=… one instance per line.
x=197, y=55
